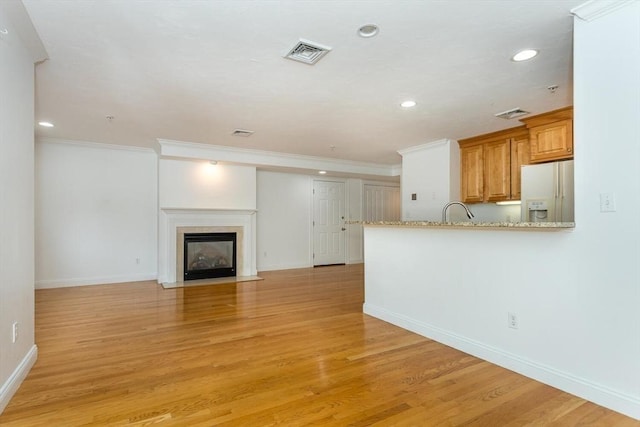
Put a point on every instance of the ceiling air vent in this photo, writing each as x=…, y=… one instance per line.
x=242, y=132
x=307, y=52
x=512, y=114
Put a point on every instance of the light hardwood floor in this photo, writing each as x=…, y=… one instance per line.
x=293, y=349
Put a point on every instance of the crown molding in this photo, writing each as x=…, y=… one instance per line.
x=596, y=9
x=193, y=150
x=422, y=147
x=90, y=144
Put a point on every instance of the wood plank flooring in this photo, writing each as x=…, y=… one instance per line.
x=293, y=349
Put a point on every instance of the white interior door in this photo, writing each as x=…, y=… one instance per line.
x=328, y=223
x=381, y=203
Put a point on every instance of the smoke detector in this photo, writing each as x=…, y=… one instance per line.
x=512, y=114
x=242, y=132
x=307, y=52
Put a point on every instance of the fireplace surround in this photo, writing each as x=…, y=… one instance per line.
x=174, y=223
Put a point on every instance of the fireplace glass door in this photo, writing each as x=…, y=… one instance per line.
x=209, y=255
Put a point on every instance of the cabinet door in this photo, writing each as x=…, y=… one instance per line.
x=519, y=157
x=497, y=170
x=553, y=141
x=471, y=174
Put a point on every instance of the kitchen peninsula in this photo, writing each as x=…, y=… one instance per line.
x=461, y=284
x=538, y=226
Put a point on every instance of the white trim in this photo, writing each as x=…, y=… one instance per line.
x=596, y=9
x=601, y=395
x=273, y=267
x=193, y=150
x=380, y=183
x=98, y=280
x=16, y=378
x=90, y=144
x=422, y=147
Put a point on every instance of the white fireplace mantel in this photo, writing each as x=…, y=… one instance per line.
x=172, y=218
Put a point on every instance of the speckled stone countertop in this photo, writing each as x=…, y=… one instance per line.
x=534, y=226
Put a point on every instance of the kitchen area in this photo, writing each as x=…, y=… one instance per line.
x=519, y=175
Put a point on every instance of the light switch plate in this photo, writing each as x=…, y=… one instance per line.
x=607, y=202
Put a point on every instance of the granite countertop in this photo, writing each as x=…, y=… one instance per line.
x=540, y=226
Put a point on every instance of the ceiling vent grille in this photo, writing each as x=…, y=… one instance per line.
x=242, y=133
x=307, y=52
x=512, y=114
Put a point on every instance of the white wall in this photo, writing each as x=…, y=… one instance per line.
x=432, y=172
x=96, y=214
x=16, y=209
x=284, y=221
x=194, y=184
x=576, y=293
x=355, y=233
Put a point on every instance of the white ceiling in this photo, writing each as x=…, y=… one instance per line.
x=196, y=70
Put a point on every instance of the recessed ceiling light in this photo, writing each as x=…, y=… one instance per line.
x=408, y=104
x=213, y=162
x=46, y=124
x=322, y=172
x=368, y=30
x=524, y=55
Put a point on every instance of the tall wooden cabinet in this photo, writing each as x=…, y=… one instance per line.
x=472, y=173
x=490, y=165
x=520, y=155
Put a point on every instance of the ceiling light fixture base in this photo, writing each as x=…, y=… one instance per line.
x=368, y=30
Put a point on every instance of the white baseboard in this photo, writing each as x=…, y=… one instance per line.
x=272, y=267
x=12, y=384
x=82, y=281
x=597, y=393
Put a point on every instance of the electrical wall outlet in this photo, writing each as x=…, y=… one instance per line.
x=14, y=332
x=512, y=321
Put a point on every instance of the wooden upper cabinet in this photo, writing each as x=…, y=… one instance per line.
x=551, y=135
x=520, y=149
x=490, y=165
x=497, y=170
x=471, y=166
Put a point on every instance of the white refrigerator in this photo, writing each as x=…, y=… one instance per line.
x=547, y=192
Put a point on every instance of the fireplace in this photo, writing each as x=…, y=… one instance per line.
x=209, y=255
x=175, y=223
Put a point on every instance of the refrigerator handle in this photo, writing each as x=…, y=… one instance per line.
x=558, y=178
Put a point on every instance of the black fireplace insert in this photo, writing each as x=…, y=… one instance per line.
x=209, y=255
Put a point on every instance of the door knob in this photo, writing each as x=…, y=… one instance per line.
x=343, y=229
